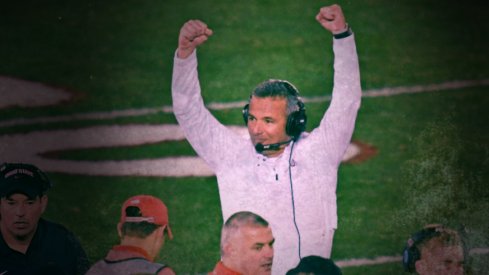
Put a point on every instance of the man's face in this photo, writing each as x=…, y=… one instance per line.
x=253, y=250
x=266, y=121
x=20, y=215
x=447, y=260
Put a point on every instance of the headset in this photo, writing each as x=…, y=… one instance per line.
x=295, y=125
x=411, y=252
x=296, y=121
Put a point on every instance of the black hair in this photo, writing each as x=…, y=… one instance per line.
x=279, y=88
x=316, y=265
x=137, y=229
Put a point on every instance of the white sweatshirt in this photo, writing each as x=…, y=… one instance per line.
x=249, y=181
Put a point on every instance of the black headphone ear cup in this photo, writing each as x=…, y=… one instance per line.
x=411, y=252
x=291, y=126
x=410, y=255
x=245, y=113
x=296, y=122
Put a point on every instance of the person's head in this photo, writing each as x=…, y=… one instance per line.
x=247, y=244
x=315, y=265
x=144, y=222
x=274, y=114
x=23, y=199
x=434, y=250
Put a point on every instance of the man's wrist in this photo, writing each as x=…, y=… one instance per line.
x=184, y=53
x=343, y=33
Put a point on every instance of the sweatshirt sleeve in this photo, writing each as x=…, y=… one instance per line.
x=207, y=136
x=337, y=125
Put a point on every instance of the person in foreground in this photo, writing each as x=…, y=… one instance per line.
x=30, y=244
x=280, y=172
x=142, y=228
x=315, y=265
x=434, y=250
x=246, y=246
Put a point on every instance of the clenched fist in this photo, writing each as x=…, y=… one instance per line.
x=192, y=34
x=332, y=19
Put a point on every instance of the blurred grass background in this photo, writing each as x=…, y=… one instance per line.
x=433, y=153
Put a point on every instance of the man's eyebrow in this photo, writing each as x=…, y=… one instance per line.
x=262, y=118
x=262, y=244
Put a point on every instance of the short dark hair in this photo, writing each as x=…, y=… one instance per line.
x=137, y=229
x=430, y=236
x=279, y=88
x=316, y=265
x=238, y=220
x=443, y=237
x=245, y=218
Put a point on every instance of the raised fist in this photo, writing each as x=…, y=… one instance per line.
x=332, y=19
x=192, y=34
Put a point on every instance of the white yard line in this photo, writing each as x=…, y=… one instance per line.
x=364, y=261
x=29, y=147
x=445, y=86
x=18, y=92
x=393, y=259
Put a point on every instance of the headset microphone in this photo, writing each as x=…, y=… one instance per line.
x=270, y=147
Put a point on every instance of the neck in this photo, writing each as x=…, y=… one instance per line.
x=274, y=153
x=132, y=250
x=272, y=150
x=229, y=265
x=145, y=246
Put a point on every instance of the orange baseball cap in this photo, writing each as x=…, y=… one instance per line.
x=151, y=210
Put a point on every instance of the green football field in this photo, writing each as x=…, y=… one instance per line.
x=431, y=141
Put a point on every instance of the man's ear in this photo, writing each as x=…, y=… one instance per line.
x=158, y=233
x=161, y=231
x=119, y=229
x=228, y=249
x=44, y=202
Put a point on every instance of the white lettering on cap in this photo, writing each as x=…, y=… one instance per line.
x=136, y=201
x=140, y=219
x=19, y=171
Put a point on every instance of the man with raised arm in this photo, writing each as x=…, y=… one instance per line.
x=280, y=172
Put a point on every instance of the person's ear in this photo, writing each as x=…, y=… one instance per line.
x=119, y=229
x=159, y=233
x=228, y=249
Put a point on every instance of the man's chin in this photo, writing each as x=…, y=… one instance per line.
x=21, y=233
x=21, y=237
x=266, y=268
